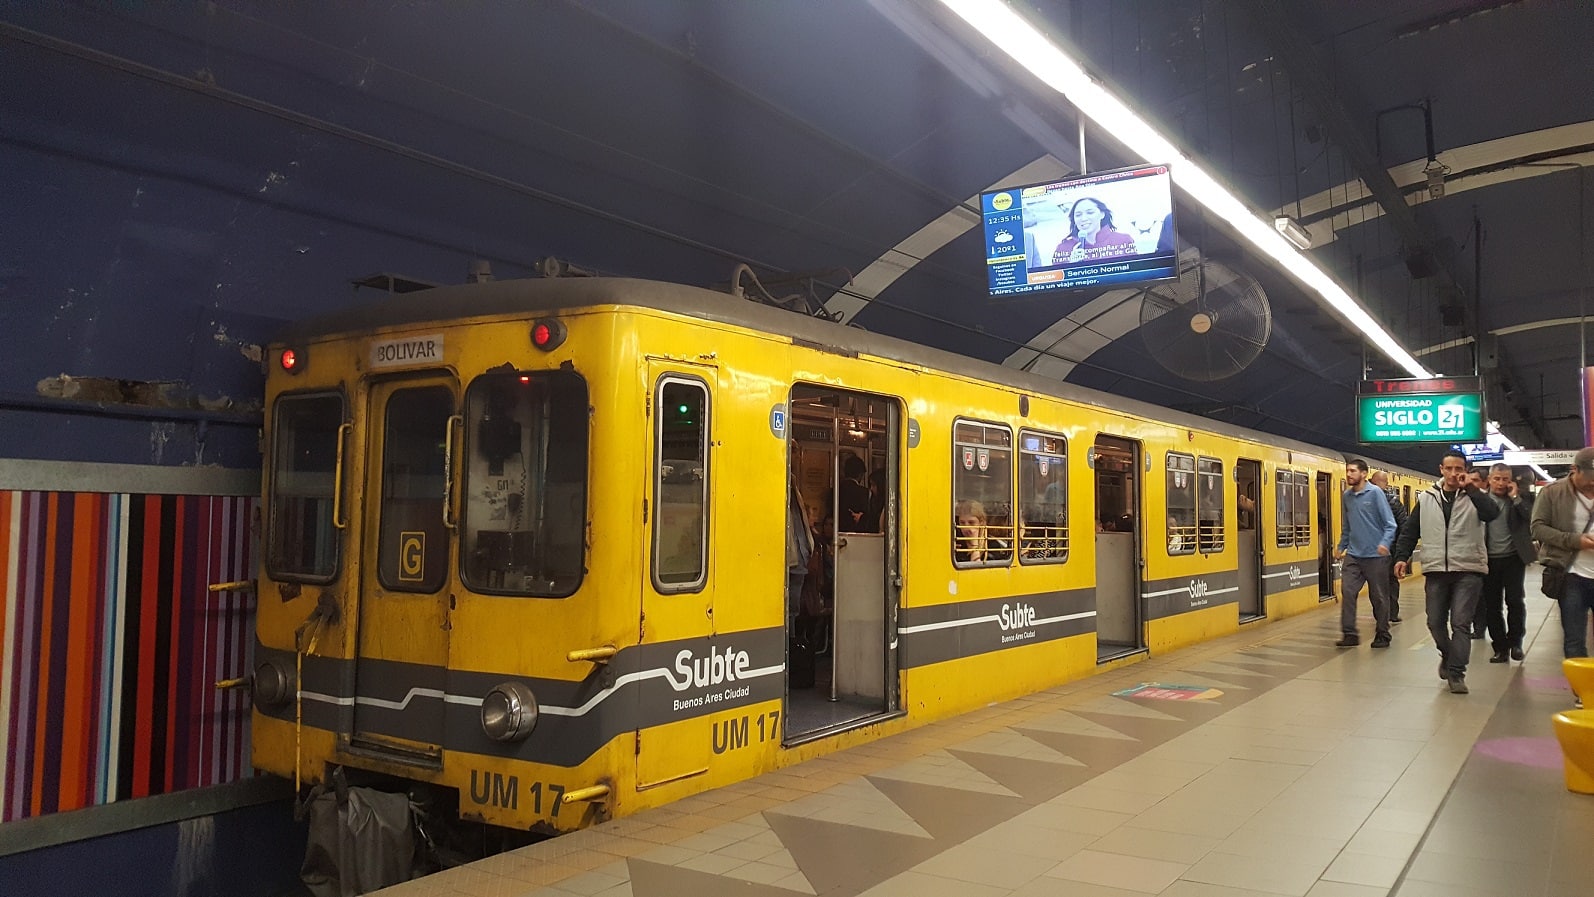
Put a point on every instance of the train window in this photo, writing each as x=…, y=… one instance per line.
x=1284, y=517
x=412, y=554
x=1302, y=508
x=982, y=495
x=1209, y=499
x=1043, y=481
x=680, y=521
x=302, y=543
x=1181, y=503
x=525, y=484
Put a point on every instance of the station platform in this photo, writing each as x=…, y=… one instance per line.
x=1315, y=771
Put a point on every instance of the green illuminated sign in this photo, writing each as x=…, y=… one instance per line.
x=1420, y=417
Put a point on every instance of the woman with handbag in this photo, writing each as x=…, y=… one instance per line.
x=1563, y=524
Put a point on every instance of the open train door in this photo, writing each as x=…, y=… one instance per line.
x=1325, y=540
x=1248, y=540
x=845, y=463
x=401, y=663
x=1119, y=615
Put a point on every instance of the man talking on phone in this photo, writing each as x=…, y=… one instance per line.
x=1449, y=520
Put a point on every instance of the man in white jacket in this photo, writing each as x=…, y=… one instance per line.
x=1449, y=520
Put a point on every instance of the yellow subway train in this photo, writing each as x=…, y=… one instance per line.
x=573, y=548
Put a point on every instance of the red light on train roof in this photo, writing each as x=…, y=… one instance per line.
x=290, y=361
x=547, y=334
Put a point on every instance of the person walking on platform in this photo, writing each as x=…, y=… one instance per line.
x=1364, y=544
x=1398, y=508
x=1563, y=522
x=1510, y=551
x=1451, y=514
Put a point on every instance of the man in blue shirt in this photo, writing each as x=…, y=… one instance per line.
x=1366, y=538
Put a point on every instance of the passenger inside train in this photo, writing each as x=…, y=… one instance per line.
x=975, y=544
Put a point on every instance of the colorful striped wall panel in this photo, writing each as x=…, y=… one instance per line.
x=112, y=644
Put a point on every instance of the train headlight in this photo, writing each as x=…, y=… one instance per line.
x=548, y=334
x=509, y=712
x=274, y=684
x=292, y=360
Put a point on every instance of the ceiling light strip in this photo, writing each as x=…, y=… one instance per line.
x=1014, y=35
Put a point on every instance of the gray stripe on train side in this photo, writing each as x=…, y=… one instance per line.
x=945, y=632
x=640, y=687
x=1171, y=597
x=1288, y=577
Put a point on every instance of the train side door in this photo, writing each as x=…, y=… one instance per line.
x=1325, y=532
x=402, y=650
x=1119, y=616
x=845, y=467
x=1248, y=541
x=674, y=737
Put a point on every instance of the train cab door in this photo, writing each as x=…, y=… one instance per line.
x=674, y=734
x=1120, y=620
x=841, y=666
x=1325, y=537
x=402, y=642
x=1248, y=541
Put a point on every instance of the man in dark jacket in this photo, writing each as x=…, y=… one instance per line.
x=1398, y=508
x=1562, y=524
x=1510, y=543
x=1449, y=521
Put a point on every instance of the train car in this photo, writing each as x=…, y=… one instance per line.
x=568, y=549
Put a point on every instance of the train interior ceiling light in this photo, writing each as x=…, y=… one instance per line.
x=1014, y=35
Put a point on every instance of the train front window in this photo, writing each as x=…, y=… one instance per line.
x=680, y=525
x=1181, y=504
x=302, y=541
x=982, y=495
x=525, y=484
x=1209, y=493
x=1303, y=509
x=1043, y=481
x=412, y=554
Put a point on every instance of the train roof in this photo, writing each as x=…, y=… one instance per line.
x=537, y=296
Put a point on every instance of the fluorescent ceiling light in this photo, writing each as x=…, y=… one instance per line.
x=1018, y=38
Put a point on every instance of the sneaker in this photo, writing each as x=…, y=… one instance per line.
x=1381, y=641
x=1499, y=657
x=1516, y=654
x=1395, y=619
x=1458, y=685
x=1444, y=669
x=1577, y=702
x=1349, y=641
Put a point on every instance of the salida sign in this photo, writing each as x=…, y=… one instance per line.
x=1448, y=409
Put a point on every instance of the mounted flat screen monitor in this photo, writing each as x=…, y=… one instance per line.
x=1114, y=227
x=1479, y=452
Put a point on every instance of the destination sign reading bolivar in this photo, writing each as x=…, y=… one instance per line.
x=1440, y=409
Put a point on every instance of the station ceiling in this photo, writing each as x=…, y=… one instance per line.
x=183, y=179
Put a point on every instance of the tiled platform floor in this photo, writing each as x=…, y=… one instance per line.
x=1318, y=772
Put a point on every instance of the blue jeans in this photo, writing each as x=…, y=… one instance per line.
x=1452, y=602
x=1576, y=603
